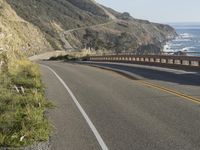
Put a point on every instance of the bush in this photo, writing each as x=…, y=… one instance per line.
x=65, y=57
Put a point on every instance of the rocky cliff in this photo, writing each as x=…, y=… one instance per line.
x=35, y=26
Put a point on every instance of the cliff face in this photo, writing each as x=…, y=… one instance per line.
x=125, y=34
x=35, y=26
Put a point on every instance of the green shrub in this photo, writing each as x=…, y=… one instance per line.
x=65, y=57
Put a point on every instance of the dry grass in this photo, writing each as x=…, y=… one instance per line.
x=22, y=104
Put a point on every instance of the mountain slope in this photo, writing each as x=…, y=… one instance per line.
x=16, y=33
x=35, y=26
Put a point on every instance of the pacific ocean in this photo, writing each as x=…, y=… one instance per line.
x=188, y=40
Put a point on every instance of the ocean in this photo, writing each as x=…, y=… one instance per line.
x=188, y=40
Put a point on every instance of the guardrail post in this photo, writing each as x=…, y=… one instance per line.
x=181, y=61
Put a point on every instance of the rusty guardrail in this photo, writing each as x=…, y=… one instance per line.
x=167, y=60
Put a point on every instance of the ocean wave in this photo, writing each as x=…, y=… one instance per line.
x=167, y=48
x=187, y=48
x=188, y=41
x=186, y=35
x=187, y=27
x=177, y=45
x=182, y=40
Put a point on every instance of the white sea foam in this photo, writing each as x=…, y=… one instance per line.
x=182, y=40
x=173, y=44
x=188, y=41
x=187, y=48
x=186, y=35
x=167, y=48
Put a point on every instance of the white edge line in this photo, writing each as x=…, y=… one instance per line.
x=89, y=122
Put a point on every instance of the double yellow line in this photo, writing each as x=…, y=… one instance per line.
x=152, y=85
x=170, y=91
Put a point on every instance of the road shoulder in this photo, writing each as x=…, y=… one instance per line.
x=70, y=129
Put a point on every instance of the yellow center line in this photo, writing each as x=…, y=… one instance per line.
x=170, y=91
x=155, y=86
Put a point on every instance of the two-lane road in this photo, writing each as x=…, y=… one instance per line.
x=127, y=114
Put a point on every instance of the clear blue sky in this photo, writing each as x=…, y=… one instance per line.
x=163, y=11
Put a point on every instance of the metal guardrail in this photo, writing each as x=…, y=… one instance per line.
x=190, y=61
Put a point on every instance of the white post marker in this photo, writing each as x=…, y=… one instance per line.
x=89, y=122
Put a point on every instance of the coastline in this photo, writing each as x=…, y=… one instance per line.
x=187, y=41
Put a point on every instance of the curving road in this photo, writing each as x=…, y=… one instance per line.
x=128, y=114
x=67, y=45
x=112, y=18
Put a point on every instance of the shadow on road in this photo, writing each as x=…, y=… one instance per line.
x=190, y=78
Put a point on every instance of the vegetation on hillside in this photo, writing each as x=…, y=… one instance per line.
x=36, y=26
x=128, y=35
x=22, y=103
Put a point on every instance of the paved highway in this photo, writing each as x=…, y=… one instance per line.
x=158, y=110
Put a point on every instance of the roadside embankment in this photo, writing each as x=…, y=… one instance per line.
x=22, y=103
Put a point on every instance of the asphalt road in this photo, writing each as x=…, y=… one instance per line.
x=128, y=114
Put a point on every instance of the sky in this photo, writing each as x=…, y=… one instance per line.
x=162, y=11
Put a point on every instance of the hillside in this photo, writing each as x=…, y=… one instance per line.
x=36, y=26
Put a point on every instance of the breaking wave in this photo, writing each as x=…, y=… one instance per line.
x=188, y=41
x=186, y=35
x=187, y=48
